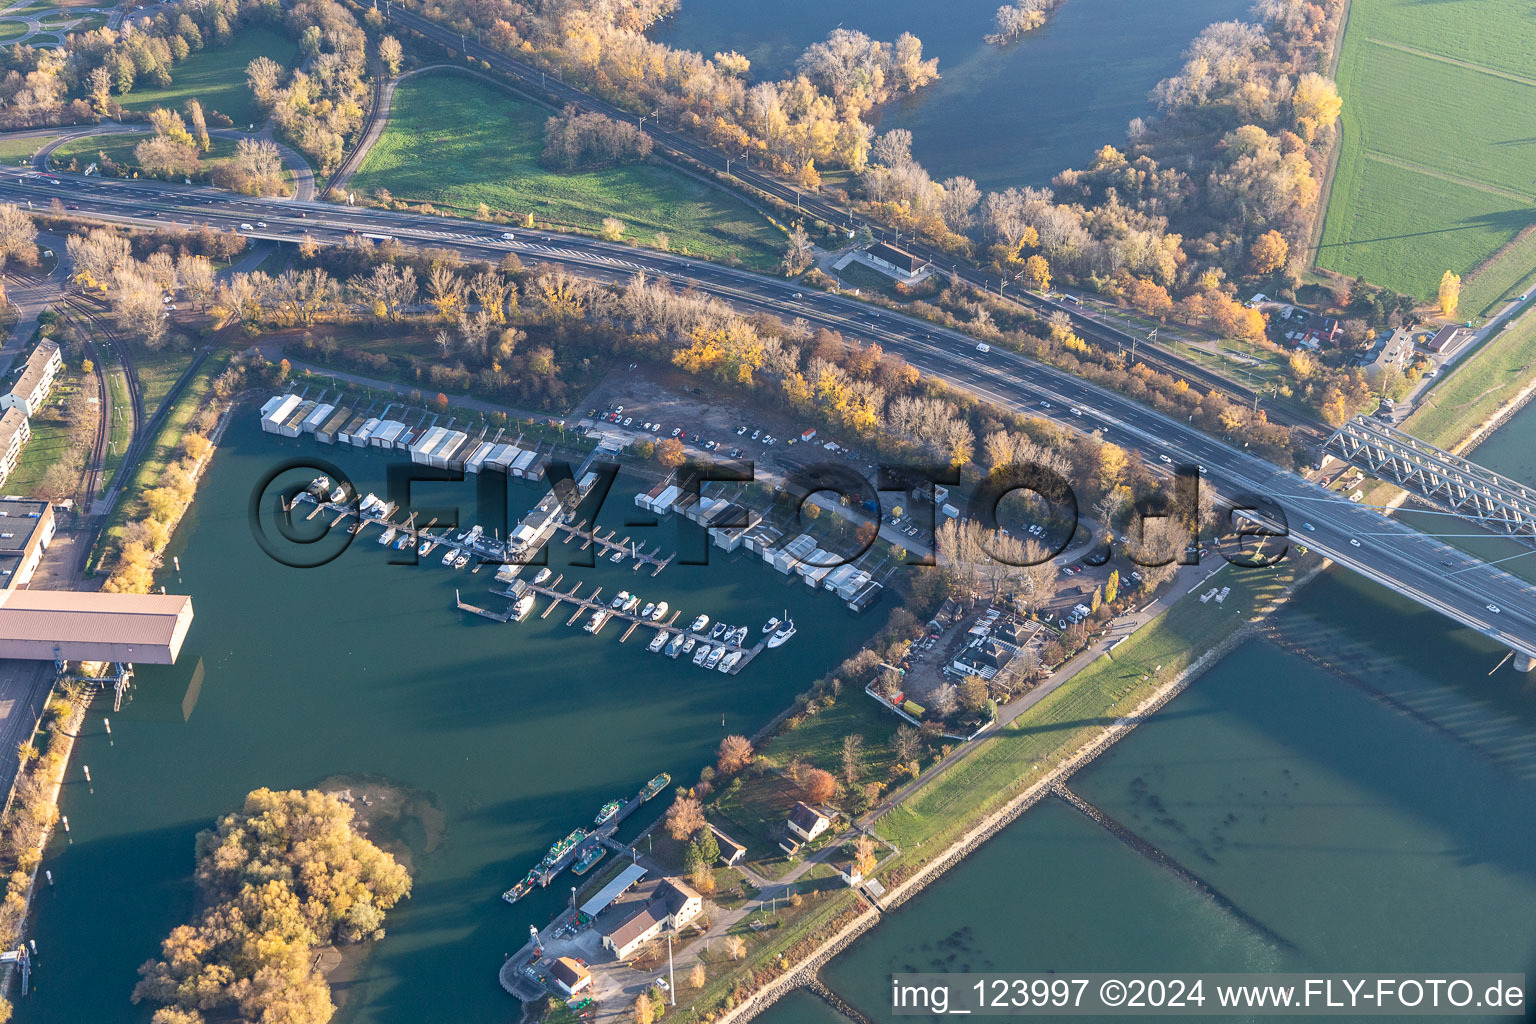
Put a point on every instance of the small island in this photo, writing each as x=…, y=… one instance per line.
x=277, y=881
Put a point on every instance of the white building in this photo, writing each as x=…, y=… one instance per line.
x=30, y=391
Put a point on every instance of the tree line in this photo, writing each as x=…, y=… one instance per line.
x=576, y=141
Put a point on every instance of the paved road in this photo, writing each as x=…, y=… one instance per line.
x=1418, y=566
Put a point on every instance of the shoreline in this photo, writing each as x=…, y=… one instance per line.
x=805, y=974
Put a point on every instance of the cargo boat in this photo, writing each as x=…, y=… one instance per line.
x=590, y=856
x=655, y=786
x=608, y=810
x=522, y=888
x=563, y=847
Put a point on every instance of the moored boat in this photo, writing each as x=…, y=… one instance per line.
x=619, y=601
x=771, y=625
x=718, y=631
x=659, y=641
x=632, y=603
x=655, y=786
x=387, y=536
x=714, y=657
x=561, y=847
x=782, y=634
x=689, y=644
x=659, y=612
x=540, y=576
x=702, y=653
x=461, y=561
x=699, y=624
x=340, y=494
x=730, y=661
x=675, y=645
x=608, y=810
x=523, y=607
x=650, y=606
x=427, y=544
x=450, y=555
x=595, y=623
x=589, y=857
x=521, y=889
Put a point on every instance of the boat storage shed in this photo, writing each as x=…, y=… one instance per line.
x=613, y=890
x=67, y=625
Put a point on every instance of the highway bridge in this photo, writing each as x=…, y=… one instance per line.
x=547, y=86
x=1482, y=597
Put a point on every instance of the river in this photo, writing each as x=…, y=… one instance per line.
x=1002, y=115
x=1357, y=784
x=516, y=732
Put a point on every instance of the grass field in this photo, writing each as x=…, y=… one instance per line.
x=1007, y=761
x=457, y=142
x=1478, y=387
x=215, y=76
x=12, y=30
x=1437, y=169
x=15, y=151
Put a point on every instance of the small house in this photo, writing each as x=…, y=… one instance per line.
x=570, y=976
x=806, y=822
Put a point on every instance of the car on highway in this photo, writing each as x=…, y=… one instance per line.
x=507, y=236
x=1354, y=542
x=247, y=227
x=1309, y=527
x=261, y=223
x=1164, y=458
x=1493, y=608
x=983, y=348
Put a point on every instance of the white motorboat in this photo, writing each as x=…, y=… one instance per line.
x=596, y=621
x=523, y=607
x=618, y=602
x=714, y=657
x=618, y=556
x=462, y=560
x=450, y=555
x=771, y=625
x=340, y=494
x=650, y=606
x=659, y=641
x=659, y=612
x=699, y=624
x=782, y=634
x=689, y=644
x=675, y=646
x=730, y=661
x=427, y=544
x=387, y=536
x=702, y=653
x=542, y=575
x=632, y=603
x=402, y=542
x=737, y=636
x=718, y=631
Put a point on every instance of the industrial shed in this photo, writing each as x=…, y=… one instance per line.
x=49, y=625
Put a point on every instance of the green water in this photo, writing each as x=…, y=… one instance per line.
x=1363, y=837
x=518, y=732
x=1013, y=115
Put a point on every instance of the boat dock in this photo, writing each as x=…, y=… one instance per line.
x=602, y=834
x=593, y=602
x=608, y=547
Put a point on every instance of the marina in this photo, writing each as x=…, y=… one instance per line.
x=582, y=849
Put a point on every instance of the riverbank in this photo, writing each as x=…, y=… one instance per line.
x=1085, y=746
x=1482, y=393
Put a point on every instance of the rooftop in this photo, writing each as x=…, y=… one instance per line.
x=90, y=626
x=37, y=367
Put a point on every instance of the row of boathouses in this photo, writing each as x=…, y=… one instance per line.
x=290, y=415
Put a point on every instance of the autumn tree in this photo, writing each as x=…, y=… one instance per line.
x=973, y=693
x=669, y=452
x=684, y=818
x=391, y=54
x=696, y=976
x=734, y=755
x=1269, y=252
x=820, y=786
x=1037, y=273
x=613, y=229
x=18, y=235
x=864, y=855
x=1449, y=296
x=799, y=253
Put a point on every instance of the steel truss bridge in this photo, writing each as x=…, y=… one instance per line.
x=1457, y=485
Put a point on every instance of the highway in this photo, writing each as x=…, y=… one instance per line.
x=541, y=83
x=1412, y=563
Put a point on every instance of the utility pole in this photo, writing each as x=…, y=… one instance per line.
x=671, y=977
